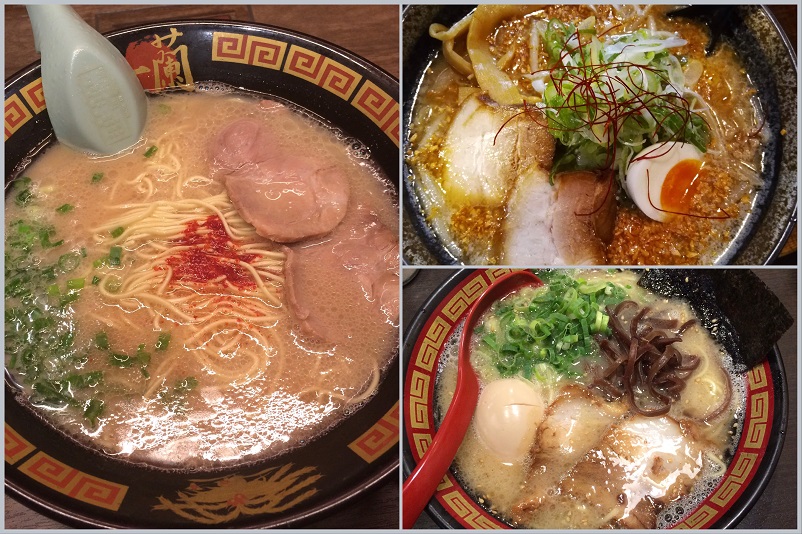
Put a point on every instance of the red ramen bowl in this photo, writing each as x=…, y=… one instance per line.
x=80, y=486
x=454, y=506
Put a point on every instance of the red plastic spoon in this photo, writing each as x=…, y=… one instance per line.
x=422, y=483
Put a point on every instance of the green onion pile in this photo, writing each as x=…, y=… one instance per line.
x=554, y=326
x=607, y=100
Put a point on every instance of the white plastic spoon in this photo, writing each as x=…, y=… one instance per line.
x=94, y=99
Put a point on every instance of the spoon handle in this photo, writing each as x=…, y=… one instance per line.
x=422, y=483
x=427, y=475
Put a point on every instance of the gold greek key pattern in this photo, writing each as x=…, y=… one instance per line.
x=467, y=295
x=17, y=447
x=61, y=477
x=463, y=508
x=433, y=340
x=16, y=114
x=34, y=95
x=322, y=71
x=379, y=107
x=758, y=421
x=742, y=468
x=757, y=377
x=700, y=518
x=379, y=438
x=421, y=442
x=248, y=50
x=418, y=400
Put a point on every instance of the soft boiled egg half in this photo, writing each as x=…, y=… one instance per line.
x=663, y=179
x=507, y=416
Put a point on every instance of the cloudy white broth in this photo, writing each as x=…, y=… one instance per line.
x=155, y=310
x=560, y=440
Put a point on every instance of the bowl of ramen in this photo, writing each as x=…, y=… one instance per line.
x=186, y=345
x=579, y=135
x=602, y=404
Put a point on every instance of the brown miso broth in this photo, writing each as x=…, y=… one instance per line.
x=495, y=190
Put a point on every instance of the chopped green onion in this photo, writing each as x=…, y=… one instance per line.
x=65, y=208
x=53, y=290
x=119, y=359
x=75, y=283
x=95, y=280
x=24, y=197
x=98, y=176
x=163, y=342
x=117, y=232
x=72, y=296
x=44, y=238
x=102, y=340
x=69, y=262
x=115, y=255
x=93, y=410
x=552, y=325
x=151, y=151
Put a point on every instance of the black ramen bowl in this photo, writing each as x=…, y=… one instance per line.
x=452, y=506
x=63, y=478
x=770, y=62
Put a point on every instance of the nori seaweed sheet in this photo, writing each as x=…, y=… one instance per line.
x=738, y=309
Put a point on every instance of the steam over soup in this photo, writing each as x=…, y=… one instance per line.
x=155, y=308
x=576, y=135
x=601, y=406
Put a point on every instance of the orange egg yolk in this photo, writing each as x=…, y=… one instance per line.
x=680, y=186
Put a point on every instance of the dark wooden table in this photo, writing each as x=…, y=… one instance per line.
x=777, y=506
x=369, y=31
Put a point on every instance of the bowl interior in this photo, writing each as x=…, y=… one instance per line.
x=767, y=56
x=61, y=477
x=454, y=507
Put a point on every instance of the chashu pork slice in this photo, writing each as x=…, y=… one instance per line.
x=568, y=223
x=487, y=147
x=364, y=251
x=287, y=195
x=639, y=465
x=575, y=422
x=528, y=239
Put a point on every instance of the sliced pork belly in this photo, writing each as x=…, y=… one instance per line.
x=639, y=465
x=565, y=223
x=575, y=422
x=285, y=195
x=583, y=216
x=528, y=239
x=366, y=252
x=487, y=149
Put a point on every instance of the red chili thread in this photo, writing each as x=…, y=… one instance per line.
x=609, y=111
x=212, y=254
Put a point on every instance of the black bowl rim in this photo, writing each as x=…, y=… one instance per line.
x=729, y=519
x=431, y=241
x=336, y=502
x=364, y=63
